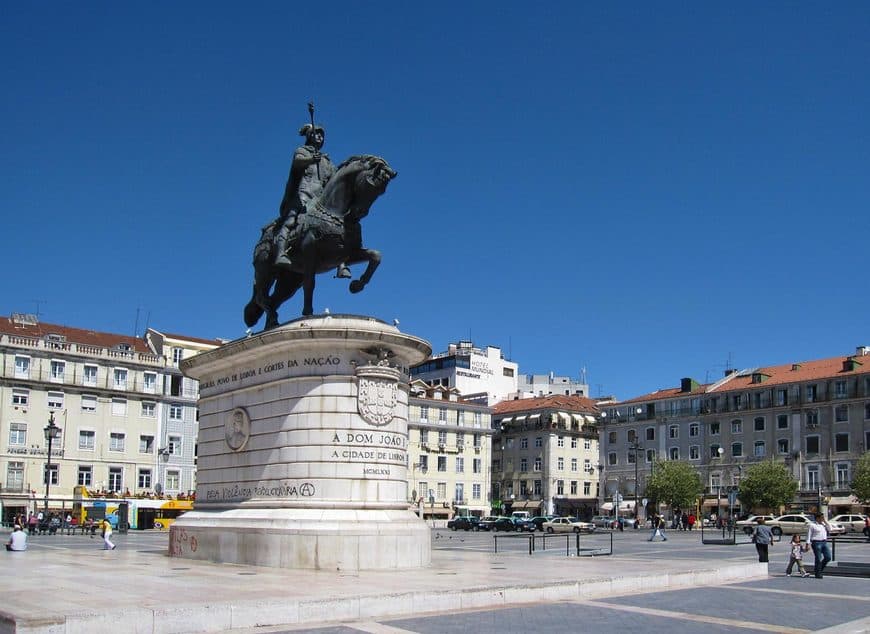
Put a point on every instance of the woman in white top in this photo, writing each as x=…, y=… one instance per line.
x=817, y=536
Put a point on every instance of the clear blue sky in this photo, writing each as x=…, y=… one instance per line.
x=643, y=190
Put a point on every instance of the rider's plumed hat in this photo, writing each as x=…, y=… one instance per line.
x=308, y=129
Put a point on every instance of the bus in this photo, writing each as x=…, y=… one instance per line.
x=129, y=512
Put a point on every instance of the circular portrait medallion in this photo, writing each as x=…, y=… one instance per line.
x=237, y=429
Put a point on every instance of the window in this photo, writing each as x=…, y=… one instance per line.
x=842, y=475
x=560, y=463
x=840, y=389
x=507, y=371
x=442, y=437
x=15, y=477
x=812, y=444
x=573, y=464
x=476, y=440
x=478, y=418
x=714, y=429
x=650, y=433
x=442, y=490
x=176, y=412
x=812, y=418
x=424, y=436
x=87, y=439
x=55, y=400
x=812, y=477
x=116, y=441
x=631, y=457
x=694, y=430
x=20, y=396
x=758, y=449
x=89, y=377
x=89, y=403
x=524, y=465
x=442, y=464
x=812, y=392
x=611, y=458
x=86, y=475
x=694, y=452
x=674, y=453
x=866, y=411
x=149, y=382
x=573, y=488
x=442, y=415
x=560, y=441
x=560, y=487
x=539, y=442
x=587, y=444
x=146, y=444
x=144, y=479
x=119, y=407
x=782, y=421
x=714, y=451
x=674, y=431
x=177, y=356
x=425, y=491
x=631, y=435
x=524, y=443
x=475, y=491
x=758, y=423
x=841, y=413
x=477, y=465
x=460, y=464
x=18, y=433
x=650, y=455
x=736, y=449
x=424, y=463
x=782, y=446
x=459, y=493
x=715, y=480
x=149, y=409
x=173, y=480
x=424, y=413
x=587, y=488
x=120, y=381
x=736, y=426
x=58, y=369
x=22, y=367
x=781, y=397
x=538, y=463
x=50, y=472
x=841, y=442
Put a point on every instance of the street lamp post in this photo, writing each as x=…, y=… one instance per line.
x=634, y=448
x=52, y=431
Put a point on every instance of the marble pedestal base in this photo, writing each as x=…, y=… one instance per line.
x=340, y=539
x=302, y=450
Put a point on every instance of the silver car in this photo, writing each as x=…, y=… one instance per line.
x=796, y=523
x=852, y=523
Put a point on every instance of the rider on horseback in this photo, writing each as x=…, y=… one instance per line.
x=309, y=173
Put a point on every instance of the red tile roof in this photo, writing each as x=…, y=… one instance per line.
x=668, y=392
x=213, y=342
x=799, y=372
x=557, y=401
x=72, y=335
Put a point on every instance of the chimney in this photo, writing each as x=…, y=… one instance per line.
x=795, y=367
x=730, y=371
x=862, y=351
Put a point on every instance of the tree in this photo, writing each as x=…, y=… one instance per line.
x=675, y=483
x=767, y=485
x=861, y=479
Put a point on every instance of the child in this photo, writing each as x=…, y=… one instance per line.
x=796, y=557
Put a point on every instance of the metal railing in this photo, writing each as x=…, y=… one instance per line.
x=581, y=546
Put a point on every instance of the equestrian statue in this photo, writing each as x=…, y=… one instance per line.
x=318, y=227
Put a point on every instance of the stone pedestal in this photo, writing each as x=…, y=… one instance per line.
x=303, y=437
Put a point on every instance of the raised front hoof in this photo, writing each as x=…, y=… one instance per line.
x=253, y=312
x=356, y=286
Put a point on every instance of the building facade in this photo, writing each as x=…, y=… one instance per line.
x=813, y=415
x=108, y=394
x=545, y=456
x=479, y=374
x=530, y=385
x=449, y=453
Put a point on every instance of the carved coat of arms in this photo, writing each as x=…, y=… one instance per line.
x=378, y=391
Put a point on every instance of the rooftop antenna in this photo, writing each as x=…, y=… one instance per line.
x=38, y=312
x=136, y=326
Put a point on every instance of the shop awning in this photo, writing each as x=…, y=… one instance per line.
x=564, y=416
x=578, y=418
x=506, y=419
x=623, y=506
x=526, y=504
x=590, y=419
x=520, y=418
x=534, y=416
x=844, y=500
x=710, y=503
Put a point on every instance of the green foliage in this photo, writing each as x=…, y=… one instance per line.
x=767, y=485
x=861, y=479
x=675, y=483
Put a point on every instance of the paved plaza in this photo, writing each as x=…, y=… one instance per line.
x=67, y=584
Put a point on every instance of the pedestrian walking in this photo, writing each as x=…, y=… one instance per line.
x=817, y=536
x=692, y=519
x=658, y=524
x=796, y=556
x=107, y=536
x=32, y=523
x=763, y=538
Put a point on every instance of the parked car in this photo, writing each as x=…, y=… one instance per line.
x=533, y=524
x=748, y=525
x=568, y=525
x=464, y=523
x=493, y=523
x=603, y=521
x=852, y=523
x=797, y=523
x=627, y=522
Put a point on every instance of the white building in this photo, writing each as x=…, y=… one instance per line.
x=480, y=374
x=532, y=385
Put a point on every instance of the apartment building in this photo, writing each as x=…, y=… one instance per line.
x=812, y=415
x=449, y=452
x=479, y=374
x=546, y=456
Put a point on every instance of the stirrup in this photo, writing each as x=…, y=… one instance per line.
x=343, y=272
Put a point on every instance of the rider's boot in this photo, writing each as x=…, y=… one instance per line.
x=342, y=271
x=281, y=260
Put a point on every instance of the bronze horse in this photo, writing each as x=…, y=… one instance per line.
x=326, y=235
